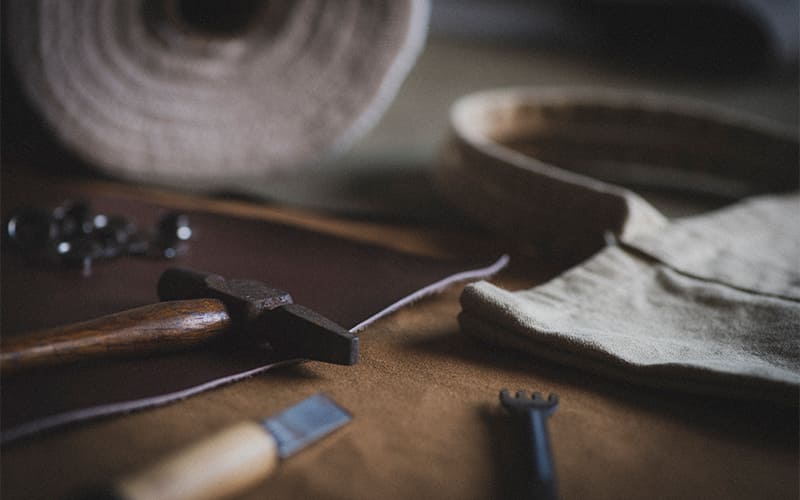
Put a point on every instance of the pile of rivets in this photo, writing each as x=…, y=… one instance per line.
x=72, y=234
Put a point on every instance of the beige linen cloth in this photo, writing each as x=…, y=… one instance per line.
x=707, y=304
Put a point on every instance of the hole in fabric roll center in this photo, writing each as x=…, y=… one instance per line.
x=215, y=18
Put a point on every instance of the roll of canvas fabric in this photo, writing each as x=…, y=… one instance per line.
x=196, y=93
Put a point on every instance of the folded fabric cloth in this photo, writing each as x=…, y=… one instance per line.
x=625, y=314
x=706, y=304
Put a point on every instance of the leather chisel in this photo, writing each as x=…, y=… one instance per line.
x=233, y=460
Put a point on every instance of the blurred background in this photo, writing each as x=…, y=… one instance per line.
x=739, y=54
x=742, y=54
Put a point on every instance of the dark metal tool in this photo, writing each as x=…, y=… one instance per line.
x=74, y=235
x=534, y=411
x=199, y=307
x=233, y=460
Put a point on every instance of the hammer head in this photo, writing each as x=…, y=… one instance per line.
x=265, y=313
x=245, y=300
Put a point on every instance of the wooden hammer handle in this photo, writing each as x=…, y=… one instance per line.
x=166, y=326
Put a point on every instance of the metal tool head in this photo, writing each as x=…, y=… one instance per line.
x=266, y=314
x=246, y=300
x=306, y=422
x=521, y=402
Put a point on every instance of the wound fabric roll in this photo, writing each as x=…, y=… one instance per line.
x=195, y=93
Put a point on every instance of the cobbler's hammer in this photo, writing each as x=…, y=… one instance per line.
x=198, y=307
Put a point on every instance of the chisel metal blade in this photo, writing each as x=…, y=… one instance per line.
x=306, y=422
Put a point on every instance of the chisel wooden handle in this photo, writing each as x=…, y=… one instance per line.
x=226, y=464
x=165, y=326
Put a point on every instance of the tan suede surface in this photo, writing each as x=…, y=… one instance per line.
x=427, y=424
